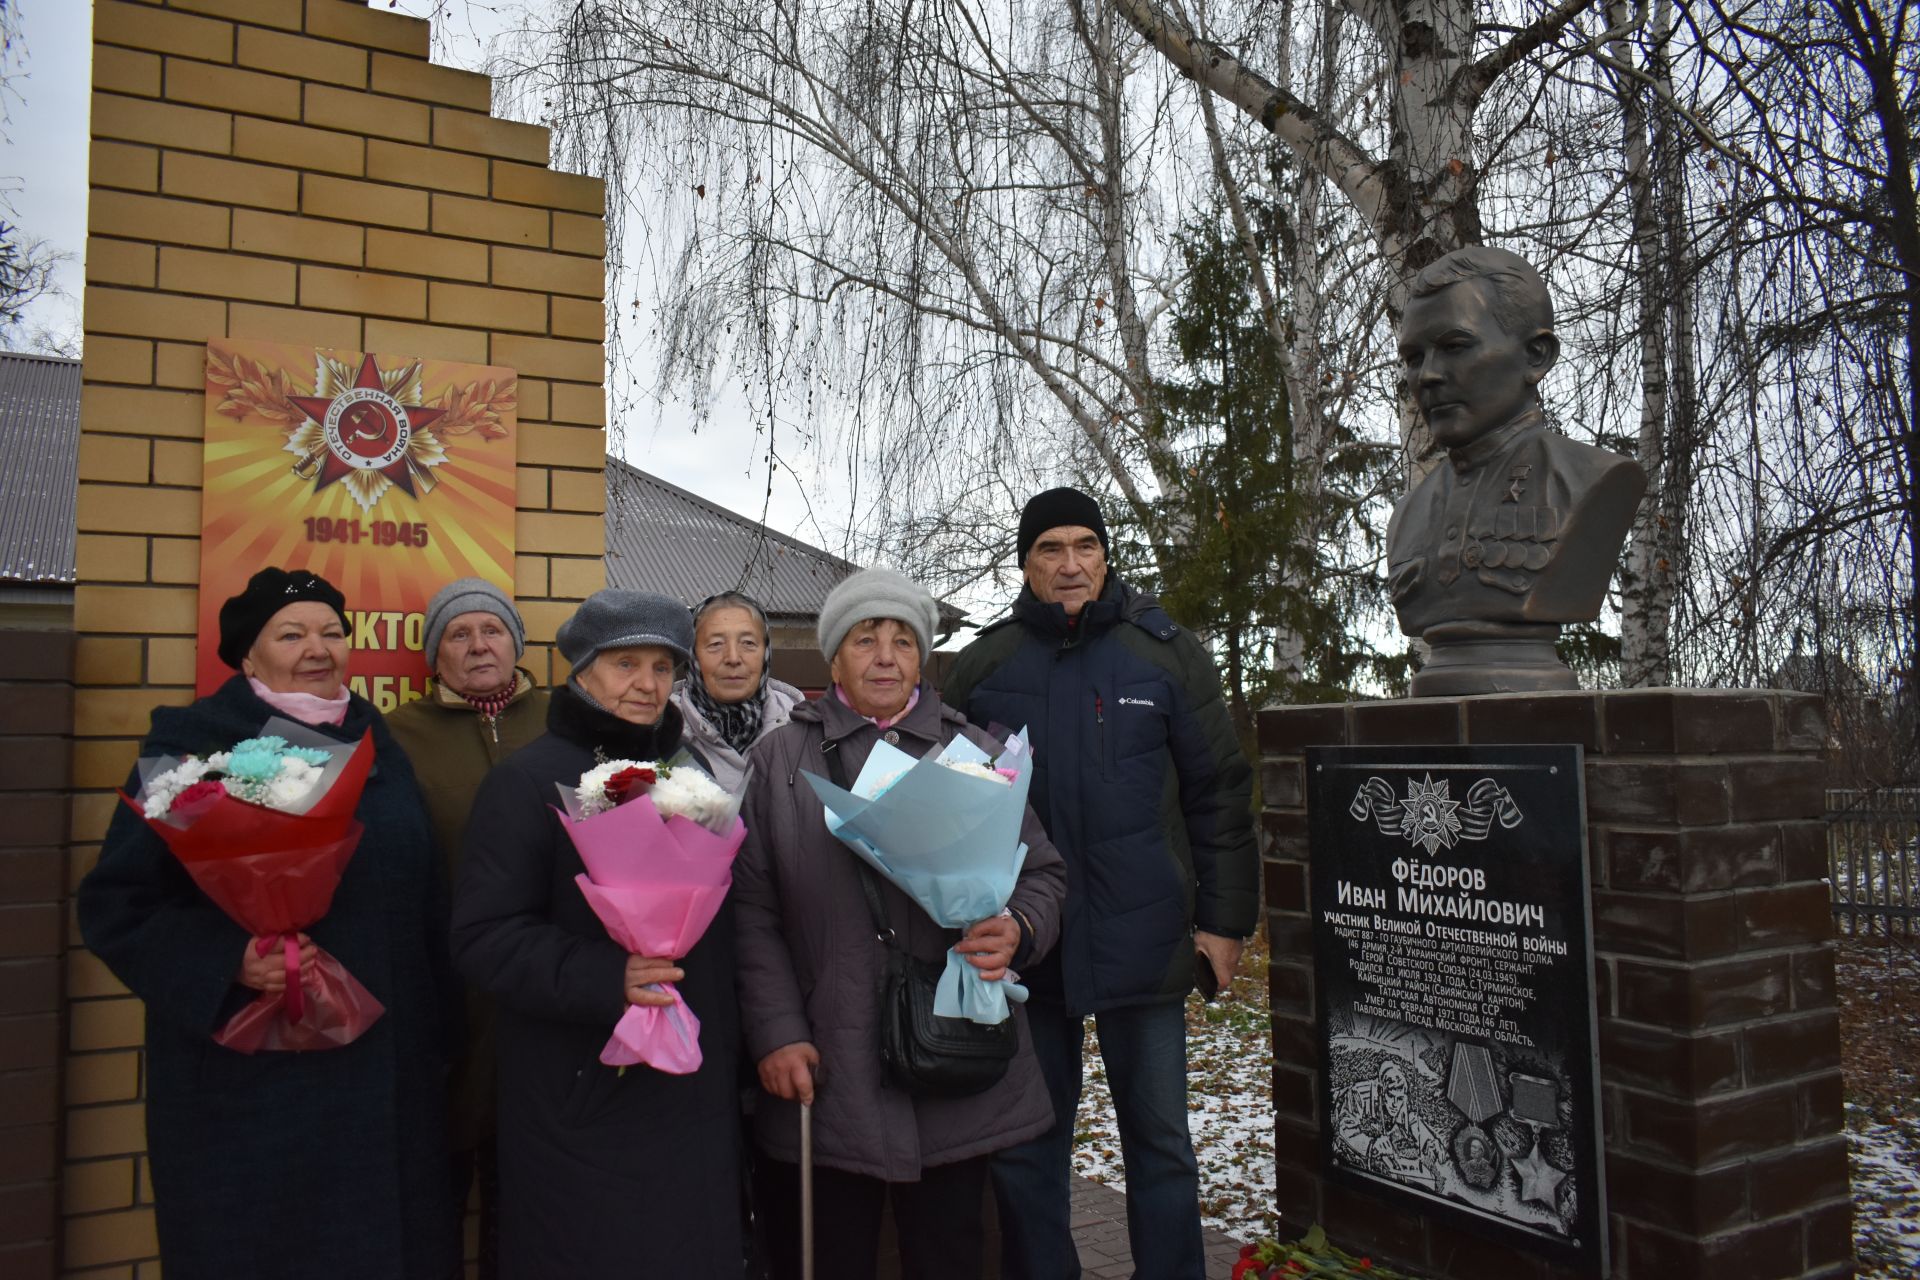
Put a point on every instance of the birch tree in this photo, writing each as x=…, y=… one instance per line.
x=933, y=224
x=1419, y=190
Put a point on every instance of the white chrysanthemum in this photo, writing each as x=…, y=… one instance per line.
x=291, y=785
x=690, y=794
x=978, y=770
x=592, y=789
x=164, y=788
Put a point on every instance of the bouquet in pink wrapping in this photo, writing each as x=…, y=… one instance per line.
x=265, y=829
x=658, y=842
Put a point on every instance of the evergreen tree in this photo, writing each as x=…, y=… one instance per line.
x=1243, y=570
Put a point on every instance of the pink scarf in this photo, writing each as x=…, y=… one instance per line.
x=306, y=707
x=913, y=698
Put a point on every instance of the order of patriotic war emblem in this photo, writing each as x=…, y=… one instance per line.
x=1454, y=984
x=364, y=433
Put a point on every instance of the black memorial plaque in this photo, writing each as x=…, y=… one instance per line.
x=1453, y=964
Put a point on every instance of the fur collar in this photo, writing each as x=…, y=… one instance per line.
x=572, y=717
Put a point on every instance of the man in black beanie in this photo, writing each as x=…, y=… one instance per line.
x=1142, y=786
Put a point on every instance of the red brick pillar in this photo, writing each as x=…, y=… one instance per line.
x=1719, y=1043
x=36, y=724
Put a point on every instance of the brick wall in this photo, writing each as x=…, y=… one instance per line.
x=294, y=170
x=1719, y=1043
x=36, y=720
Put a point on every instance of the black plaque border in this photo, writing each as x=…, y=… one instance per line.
x=1326, y=810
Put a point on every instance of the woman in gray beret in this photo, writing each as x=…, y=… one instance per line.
x=602, y=1172
x=811, y=967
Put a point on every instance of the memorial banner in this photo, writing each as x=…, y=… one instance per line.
x=388, y=475
x=1454, y=970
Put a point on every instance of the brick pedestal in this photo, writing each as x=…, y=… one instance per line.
x=1719, y=1042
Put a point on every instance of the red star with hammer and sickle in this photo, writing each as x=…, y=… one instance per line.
x=363, y=421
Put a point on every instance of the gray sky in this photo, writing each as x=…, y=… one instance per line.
x=45, y=167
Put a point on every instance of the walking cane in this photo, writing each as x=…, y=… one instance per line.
x=806, y=1191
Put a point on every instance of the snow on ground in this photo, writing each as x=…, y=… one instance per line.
x=1229, y=1105
x=1231, y=1114
x=1879, y=986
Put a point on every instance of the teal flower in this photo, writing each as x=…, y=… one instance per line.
x=254, y=761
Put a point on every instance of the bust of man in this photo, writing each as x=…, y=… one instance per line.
x=1518, y=531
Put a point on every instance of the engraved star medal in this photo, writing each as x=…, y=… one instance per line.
x=364, y=434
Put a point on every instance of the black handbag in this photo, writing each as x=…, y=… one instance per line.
x=922, y=1052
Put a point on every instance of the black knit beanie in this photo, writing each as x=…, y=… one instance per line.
x=1054, y=508
x=245, y=616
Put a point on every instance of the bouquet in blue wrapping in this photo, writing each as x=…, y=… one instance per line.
x=946, y=830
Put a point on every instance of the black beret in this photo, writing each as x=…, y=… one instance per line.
x=245, y=616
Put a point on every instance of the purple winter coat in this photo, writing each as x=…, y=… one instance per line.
x=810, y=967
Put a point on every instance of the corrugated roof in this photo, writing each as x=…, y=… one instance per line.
x=662, y=538
x=39, y=465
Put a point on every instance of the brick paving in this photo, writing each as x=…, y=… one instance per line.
x=1100, y=1230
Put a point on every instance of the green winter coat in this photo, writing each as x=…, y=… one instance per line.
x=452, y=748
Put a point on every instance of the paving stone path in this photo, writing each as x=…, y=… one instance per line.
x=1100, y=1229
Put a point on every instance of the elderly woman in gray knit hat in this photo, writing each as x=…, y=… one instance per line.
x=602, y=1172
x=811, y=965
x=479, y=708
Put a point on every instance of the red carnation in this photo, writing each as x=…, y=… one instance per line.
x=1248, y=1250
x=630, y=782
x=195, y=800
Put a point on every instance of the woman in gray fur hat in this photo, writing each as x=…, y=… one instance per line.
x=603, y=1172
x=811, y=966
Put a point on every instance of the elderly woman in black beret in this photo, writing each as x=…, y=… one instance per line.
x=603, y=1171
x=320, y=1164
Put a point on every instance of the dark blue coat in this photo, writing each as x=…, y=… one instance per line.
x=602, y=1172
x=1138, y=779
x=324, y=1164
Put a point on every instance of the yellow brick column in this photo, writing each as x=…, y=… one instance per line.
x=293, y=170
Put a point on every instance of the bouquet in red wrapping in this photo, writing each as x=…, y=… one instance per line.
x=658, y=842
x=266, y=829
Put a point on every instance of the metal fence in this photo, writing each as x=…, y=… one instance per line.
x=1873, y=859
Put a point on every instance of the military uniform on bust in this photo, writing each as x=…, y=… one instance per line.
x=1492, y=520
x=1517, y=532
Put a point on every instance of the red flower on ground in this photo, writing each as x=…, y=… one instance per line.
x=196, y=799
x=1242, y=1267
x=1248, y=1250
x=630, y=782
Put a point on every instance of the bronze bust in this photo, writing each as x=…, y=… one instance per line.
x=1518, y=531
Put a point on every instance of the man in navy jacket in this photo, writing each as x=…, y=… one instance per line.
x=1142, y=786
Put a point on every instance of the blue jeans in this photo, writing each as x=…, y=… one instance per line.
x=1145, y=1050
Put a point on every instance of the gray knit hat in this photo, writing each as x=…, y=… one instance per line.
x=615, y=619
x=877, y=593
x=471, y=595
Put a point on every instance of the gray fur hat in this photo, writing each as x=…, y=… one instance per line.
x=877, y=593
x=471, y=595
x=615, y=619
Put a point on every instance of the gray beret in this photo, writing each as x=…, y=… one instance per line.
x=471, y=595
x=877, y=593
x=615, y=619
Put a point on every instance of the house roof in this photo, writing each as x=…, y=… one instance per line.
x=662, y=538
x=39, y=466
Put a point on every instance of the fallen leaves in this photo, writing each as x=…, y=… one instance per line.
x=1879, y=990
